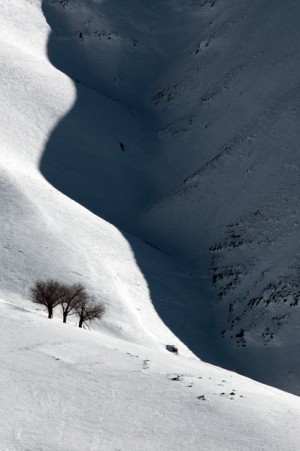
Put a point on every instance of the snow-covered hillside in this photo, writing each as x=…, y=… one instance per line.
x=45, y=233
x=65, y=389
x=229, y=112
x=195, y=149
x=149, y=151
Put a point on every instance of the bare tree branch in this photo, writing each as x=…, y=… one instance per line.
x=88, y=311
x=74, y=294
x=72, y=298
x=48, y=293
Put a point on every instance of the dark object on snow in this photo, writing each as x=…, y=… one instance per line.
x=49, y=293
x=172, y=348
x=88, y=311
x=122, y=147
x=176, y=378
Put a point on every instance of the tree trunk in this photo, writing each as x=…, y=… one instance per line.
x=80, y=322
x=50, y=312
x=65, y=317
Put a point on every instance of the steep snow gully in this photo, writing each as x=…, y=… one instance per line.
x=183, y=135
x=106, y=153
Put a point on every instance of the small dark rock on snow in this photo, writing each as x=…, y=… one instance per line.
x=172, y=348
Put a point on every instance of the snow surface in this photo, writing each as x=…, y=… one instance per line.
x=63, y=388
x=204, y=98
x=137, y=224
x=231, y=104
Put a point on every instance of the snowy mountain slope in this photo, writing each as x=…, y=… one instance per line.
x=113, y=52
x=119, y=149
x=114, y=387
x=68, y=389
x=84, y=158
x=229, y=111
x=44, y=233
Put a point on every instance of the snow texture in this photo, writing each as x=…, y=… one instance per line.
x=149, y=150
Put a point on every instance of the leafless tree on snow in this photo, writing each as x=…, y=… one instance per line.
x=88, y=311
x=49, y=293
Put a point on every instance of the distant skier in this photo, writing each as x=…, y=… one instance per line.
x=122, y=147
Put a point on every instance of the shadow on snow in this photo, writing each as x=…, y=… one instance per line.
x=105, y=153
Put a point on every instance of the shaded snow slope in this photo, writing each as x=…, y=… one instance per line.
x=105, y=152
x=44, y=233
x=64, y=388
x=187, y=112
x=174, y=121
x=229, y=125
x=115, y=386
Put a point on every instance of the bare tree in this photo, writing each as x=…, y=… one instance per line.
x=88, y=311
x=48, y=293
x=73, y=298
